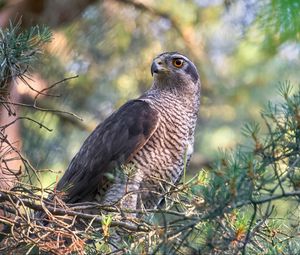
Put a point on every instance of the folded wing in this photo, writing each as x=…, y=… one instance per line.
x=113, y=143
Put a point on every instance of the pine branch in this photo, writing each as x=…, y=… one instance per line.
x=18, y=50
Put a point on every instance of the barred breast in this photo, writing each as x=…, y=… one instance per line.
x=160, y=162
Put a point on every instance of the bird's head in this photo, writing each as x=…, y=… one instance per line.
x=172, y=70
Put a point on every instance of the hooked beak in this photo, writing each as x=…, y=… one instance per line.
x=154, y=68
x=158, y=67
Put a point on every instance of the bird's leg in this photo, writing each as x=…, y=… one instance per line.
x=130, y=199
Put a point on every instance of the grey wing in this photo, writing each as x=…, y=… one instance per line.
x=112, y=143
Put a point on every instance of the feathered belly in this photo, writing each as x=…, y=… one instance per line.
x=153, y=170
x=160, y=165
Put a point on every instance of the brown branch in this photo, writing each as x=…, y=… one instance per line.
x=41, y=92
x=268, y=199
x=25, y=118
x=40, y=108
x=8, y=196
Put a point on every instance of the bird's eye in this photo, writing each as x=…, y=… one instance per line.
x=177, y=62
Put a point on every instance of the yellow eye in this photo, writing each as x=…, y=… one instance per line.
x=177, y=62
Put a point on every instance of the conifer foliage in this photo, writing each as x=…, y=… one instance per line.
x=247, y=203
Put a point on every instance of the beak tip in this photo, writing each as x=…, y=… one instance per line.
x=154, y=68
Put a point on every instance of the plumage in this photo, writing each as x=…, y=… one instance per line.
x=135, y=155
x=111, y=144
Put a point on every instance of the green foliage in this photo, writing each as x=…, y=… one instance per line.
x=249, y=201
x=280, y=22
x=111, y=46
x=237, y=206
x=18, y=49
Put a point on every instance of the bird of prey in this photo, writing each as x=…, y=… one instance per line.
x=135, y=155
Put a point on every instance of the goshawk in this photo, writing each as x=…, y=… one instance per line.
x=134, y=156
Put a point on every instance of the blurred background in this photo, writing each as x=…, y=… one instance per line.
x=243, y=49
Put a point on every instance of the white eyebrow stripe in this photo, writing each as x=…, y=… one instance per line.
x=180, y=56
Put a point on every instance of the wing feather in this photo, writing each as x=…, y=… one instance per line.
x=113, y=143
